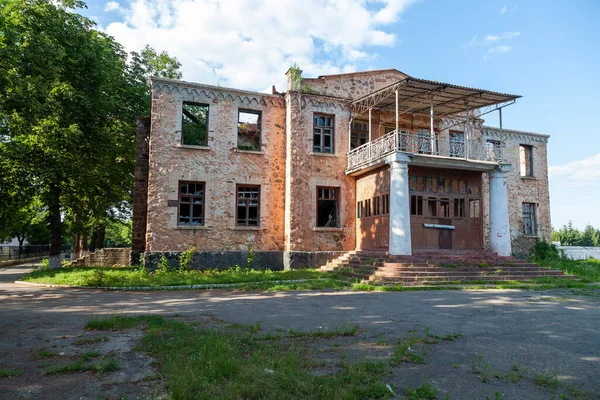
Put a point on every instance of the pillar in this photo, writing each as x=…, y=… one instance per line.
x=400, y=243
x=499, y=220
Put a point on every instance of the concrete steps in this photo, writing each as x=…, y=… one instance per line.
x=437, y=268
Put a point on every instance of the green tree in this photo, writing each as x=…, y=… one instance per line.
x=65, y=109
x=587, y=236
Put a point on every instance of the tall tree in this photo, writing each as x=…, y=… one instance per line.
x=66, y=126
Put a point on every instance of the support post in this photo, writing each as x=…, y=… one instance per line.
x=431, y=130
x=350, y=136
x=399, y=240
x=499, y=219
x=397, y=112
x=467, y=133
x=370, y=137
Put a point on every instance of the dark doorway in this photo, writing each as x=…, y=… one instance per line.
x=445, y=240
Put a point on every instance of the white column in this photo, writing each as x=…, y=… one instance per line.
x=400, y=243
x=499, y=220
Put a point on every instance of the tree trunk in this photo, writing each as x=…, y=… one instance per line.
x=101, y=236
x=55, y=226
x=93, y=240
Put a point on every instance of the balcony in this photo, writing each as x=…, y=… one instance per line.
x=428, y=150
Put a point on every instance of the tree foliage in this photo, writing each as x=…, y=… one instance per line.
x=568, y=235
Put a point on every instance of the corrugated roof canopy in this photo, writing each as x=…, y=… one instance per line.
x=414, y=97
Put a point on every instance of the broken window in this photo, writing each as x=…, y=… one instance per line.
x=416, y=205
x=424, y=142
x=323, y=133
x=526, y=159
x=444, y=209
x=459, y=208
x=529, y=225
x=248, y=205
x=191, y=203
x=474, y=208
x=359, y=209
x=432, y=207
x=194, y=125
x=457, y=144
x=327, y=207
x=359, y=134
x=249, y=128
x=386, y=204
x=492, y=148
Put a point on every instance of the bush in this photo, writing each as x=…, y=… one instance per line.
x=185, y=259
x=544, y=251
x=163, y=265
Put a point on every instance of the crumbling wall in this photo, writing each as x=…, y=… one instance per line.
x=219, y=164
x=106, y=257
x=525, y=189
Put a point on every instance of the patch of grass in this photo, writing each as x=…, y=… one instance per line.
x=547, y=379
x=107, y=365
x=346, y=330
x=136, y=276
x=102, y=366
x=382, y=341
x=43, y=353
x=89, y=355
x=86, y=341
x=6, y=372
x=586, y=270
x=452, y=336
x=426, y=391
x=455, y=365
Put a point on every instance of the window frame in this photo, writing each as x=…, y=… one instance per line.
x=358, y=133
x=533, y=216
x=322, y=134
x=247, y=206
x=203, y=204
x=193, y=103
x=255, y=112
x=528, y=155
x=336, y=190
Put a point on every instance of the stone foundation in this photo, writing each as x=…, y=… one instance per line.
x=273, y=260
x=105, y=258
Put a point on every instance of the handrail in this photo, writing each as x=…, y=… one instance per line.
x=423, y=143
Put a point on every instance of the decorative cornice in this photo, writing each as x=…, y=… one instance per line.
x=186, y=89
x=494, y=133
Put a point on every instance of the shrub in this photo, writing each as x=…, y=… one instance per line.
x=544, y=251
x=163, y=265
x=250, y=259
x=185, y=258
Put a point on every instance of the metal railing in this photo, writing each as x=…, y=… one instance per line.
x=27, y=251
x=423, y=143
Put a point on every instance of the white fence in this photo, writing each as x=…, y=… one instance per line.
x=580, y=252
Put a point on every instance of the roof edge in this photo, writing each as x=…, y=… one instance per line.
x=211, y=87
x=358, y=73
x=542, y=135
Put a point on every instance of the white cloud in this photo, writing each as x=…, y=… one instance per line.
x=503, y=9
x=581, y=172
x=491, y=43
x=250, y=44
x=111, y=6
x=500, y=49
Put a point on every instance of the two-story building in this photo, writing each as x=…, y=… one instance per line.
x=374, y=160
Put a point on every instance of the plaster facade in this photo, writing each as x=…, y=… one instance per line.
x=291, y=173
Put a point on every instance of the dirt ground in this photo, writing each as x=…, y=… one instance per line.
x=544, y=333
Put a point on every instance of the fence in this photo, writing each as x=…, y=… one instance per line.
x=28, y=251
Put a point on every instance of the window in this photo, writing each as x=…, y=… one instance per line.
x=473, y=208
x=359, y=134
x=194, y=125
x=432, y=207
x=529, y=225
x=327, y=207
x=424, y=142
x=249, y=129
x=416, y=205
x=359, y=209
x=191, y=203
x=323, y=133
x=367, y=207
x=444, y=210
x=457, y=144
x=377, y=205
x=386, y=204
x=492, y=148
x=459, y=208
x=248, y=205
x=526, y=160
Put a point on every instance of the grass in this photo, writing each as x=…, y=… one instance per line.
x=547, y=379
x=211, y=364
x=346, y=330
x=43, y=353
x=86, y=341
x=426, y=391
x=6, y=372
x=102, y=366
x=136, y=276
x=586, y=270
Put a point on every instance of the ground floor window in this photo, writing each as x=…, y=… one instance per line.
x=248, y=205
x=191, y=203
x=386, y=204
x=327, y=207
x=529, y=225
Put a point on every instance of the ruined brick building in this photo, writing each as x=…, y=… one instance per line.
x=374, y=160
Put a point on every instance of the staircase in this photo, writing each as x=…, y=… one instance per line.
x=437, y=267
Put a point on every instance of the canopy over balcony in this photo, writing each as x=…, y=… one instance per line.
x=417, y=96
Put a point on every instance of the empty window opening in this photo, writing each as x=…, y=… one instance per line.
x=459, y=208
x=474, y=211
x=386, y=204
x=457, y=144
x=444, y=209
x=191, y=203
x=492, y=148
x=194, y=125
x=526, y=160
x=359, y=209
x=249, y=129
x=323, y=133
x=327, y=207
x=529, y=223
x=248, y=205
x=367, y=207
x=359, y=134
x=416, y=205
x=377, y=205
x=432, y=208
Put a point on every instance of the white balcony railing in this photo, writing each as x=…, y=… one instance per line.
x=423, y=143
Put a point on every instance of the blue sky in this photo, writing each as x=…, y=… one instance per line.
x=546, y=51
